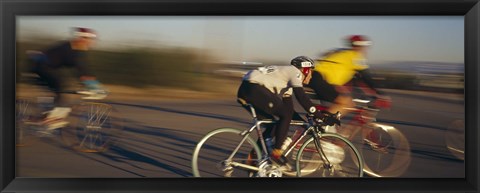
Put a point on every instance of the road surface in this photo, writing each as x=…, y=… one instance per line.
x=160, y=135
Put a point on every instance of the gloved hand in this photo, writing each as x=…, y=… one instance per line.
x=383, y=102
x=92, y=85
x=327, y=118
x=94, y=90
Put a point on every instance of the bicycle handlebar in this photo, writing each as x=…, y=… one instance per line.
x=88, y=95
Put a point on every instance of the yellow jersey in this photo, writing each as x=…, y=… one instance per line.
x=339, y=67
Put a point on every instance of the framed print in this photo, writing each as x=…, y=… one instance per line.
x=134, y=96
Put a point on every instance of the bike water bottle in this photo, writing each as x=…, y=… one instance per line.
x=269, y=144
x=286, y=143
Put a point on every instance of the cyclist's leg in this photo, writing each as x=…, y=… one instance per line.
x=285, y=114
x=265, y=101
x=56, y=117
x=269, y=128
x=284, y=111
x=243, y=93
x=326, y=92
x=343, y=101
x=54, y=82
x=261, y=116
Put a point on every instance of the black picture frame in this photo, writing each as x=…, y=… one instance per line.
x=9, y=9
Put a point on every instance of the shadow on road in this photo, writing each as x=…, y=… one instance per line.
x=146, y=151
x=198, y=114
x=151, y=151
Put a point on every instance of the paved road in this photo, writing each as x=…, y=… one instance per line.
x=161, y=134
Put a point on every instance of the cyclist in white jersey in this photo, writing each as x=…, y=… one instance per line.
x=269, y=90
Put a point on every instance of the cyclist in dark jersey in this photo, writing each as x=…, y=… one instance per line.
x=269, y=90
x=70, y=54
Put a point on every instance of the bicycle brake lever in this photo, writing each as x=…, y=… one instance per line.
x=338, y=115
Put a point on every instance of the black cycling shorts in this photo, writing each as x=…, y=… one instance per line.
x=323, y=90
x=268, y=105
x=265, y=102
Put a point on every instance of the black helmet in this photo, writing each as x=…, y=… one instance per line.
x=302, y=62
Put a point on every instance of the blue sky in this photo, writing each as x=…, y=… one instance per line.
x=280, y=38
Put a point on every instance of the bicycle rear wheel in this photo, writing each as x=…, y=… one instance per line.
x=341, y=158
x=94, y=127
x=210, y=157
x=390, y=154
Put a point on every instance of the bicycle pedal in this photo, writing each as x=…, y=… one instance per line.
x=375, y=147
x=282, y=165
x=34, y=123
x=286, y=167
x=380, y=149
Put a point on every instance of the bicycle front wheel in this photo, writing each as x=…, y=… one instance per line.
x=24, y=111
x=211, y=155
x=93, y=127
x=330, y=155
x=386, y=151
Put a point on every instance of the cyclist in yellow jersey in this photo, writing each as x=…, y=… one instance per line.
x=333, y=73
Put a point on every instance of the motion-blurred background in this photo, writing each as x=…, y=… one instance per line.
x=210, y=53
x=417, y=60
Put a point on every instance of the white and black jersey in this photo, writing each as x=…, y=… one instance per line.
x=278, y=79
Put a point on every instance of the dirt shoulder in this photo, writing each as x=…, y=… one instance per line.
x=119, y=92
x=160, y=93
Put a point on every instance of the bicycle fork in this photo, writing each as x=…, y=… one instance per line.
x=318, y=146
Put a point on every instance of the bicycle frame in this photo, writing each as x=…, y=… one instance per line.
x=363, y=115
x=361, y=112
x=256, y=126
x=97, y=113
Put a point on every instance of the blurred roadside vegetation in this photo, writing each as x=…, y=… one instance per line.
x=403, y=80
x=191, y=69
x=139, y=67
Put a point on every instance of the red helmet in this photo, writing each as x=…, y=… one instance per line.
x=81, y=32
x=358, y=40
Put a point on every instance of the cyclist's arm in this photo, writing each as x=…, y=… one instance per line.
x=81, y=65
x=88, y=79
x=83, y=72
x=305, y=101
x=310, y=108
x=366, y=77
x=296, y=84
x=296, y=116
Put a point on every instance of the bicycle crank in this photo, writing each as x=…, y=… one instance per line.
x=268, y=170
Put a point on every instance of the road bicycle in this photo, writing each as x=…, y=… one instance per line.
x=93, y=125
x=223, y=152
x=385, y=149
